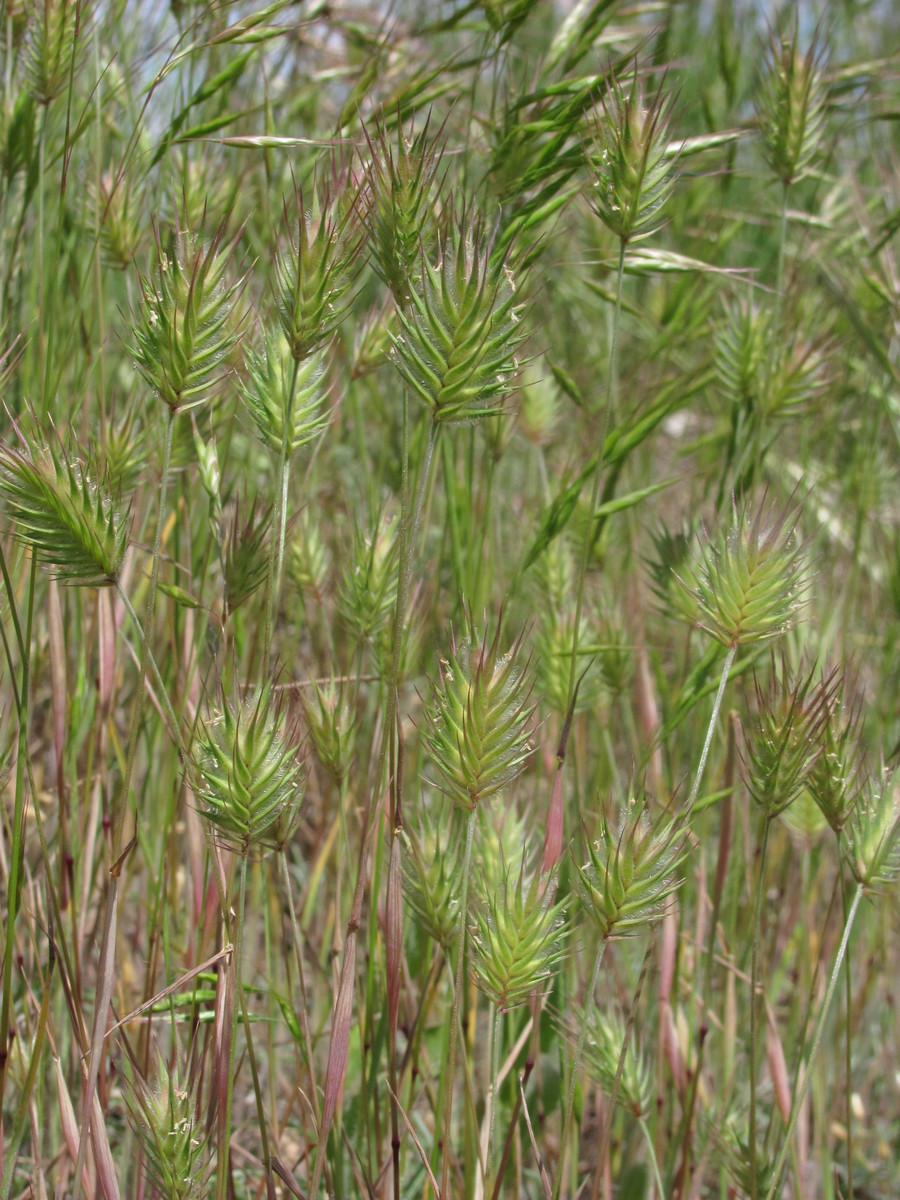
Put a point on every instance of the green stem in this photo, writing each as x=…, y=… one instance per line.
x=257, y=1090
x=611, y=384
x=710, y=729
x=17, y=849
x=754, y=1006
x=654, y=1164
x=576, y=1066
x=848, y=1055
x=457, y=995
x=225, y=1140
x=775, y=358
x=303, y=1015
x=817, y=1039
x=779, y=278
x=138, y=710
x=158, y=679
x=20, y=1120
x=453, y=527
x=492, y=1100
x=276, y=559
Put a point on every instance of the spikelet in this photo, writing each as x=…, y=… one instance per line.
x=478, y=727
x=630, y=873
x=791, y=106
x=250, y=775
x=332, y=729
x=634, y=1087
x=314, y=273
x=784, y=743
x=165, y=1122
x=285, y=399
x=836, y=780
x=368, y=588
x=633, y=170
x=308, y=559
x=872, y=838
x=432, y=880
x=746, y=586
x=245, y=555
x=49, y=47
x=185, y=329
x=401, y=189
x=458, y=337
x=517, y=942
x=67, y=520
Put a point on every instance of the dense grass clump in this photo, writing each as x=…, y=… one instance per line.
x=450, y=600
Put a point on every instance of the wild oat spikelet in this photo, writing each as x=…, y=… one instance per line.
x=791, y=105
x=479, y=725
x=432, y=880
x=748, y=584
x=186, y=328
x=67, y=520
x=166, y=1123
x=517, y=942
x=286, y=399
x=401, y=189
x=872, y=838
x=332, y=729
x=250, y=775
x=783, y=744
x=315, y=273
x=630, y=160
x=630, y=873
x=635, y=1087
x=459, y=334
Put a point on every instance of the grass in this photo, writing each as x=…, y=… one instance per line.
x=450, y=601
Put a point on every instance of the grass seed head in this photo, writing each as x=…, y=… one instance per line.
x=67, y=519
x=746, y=587
x=837, y=776
x=117, y=213
x=186, y=327
x=540, y=405
x=792, y=105
x=636, y=1090
x=49, y=48
x=479, y=725
x=400, y=194
x=314, y=274
x=286, y=399
x=166, y=1124
x=784, y=744
x=733, y=1154
x=517, y=942
x=629, y=158
x=332, y=729
x=308, y=558
x=368, y=588
x=250, y=774
x=456, y=348
x=630, y=873
x=432, y=879
x=246, y=554
x=872, y=844
x=553, y=647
